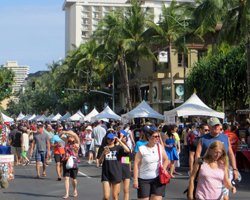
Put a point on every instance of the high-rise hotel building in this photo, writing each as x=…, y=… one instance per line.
x=21, y=73
x=82, y=16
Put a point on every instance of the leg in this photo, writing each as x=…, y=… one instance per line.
x=126, y=183
x=106, y=190
x=74, y=183
x=172, y=168
x=115, y=190
x=38, y=168
x=58, y=169
x=66, y=185
x=191, y=161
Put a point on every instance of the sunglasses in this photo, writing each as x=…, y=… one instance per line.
x=206, y=130
x=155, y=136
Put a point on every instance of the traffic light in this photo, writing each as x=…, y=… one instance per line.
x=63, y=91
x=33, y=85
x=6, y=87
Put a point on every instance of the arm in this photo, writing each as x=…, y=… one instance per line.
x=227, y=181
x=48, y=146
x=124, y=146
x=191, y=181
x=233, y=160
x=164, y=158
x=77, y=140
x=32, y=147
x=198, y=150
x=137, y=163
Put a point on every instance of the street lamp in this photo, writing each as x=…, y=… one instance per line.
x=183, y=24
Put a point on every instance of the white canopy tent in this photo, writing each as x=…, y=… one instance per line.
x=50, y=117
x=193, y=107
x=41, y=118
x=20, y=116
x=78, y=116
x=93, y=113
x=143, y=110
x=5, y=118
x=65, y=116
x=56, y=117
x=31, y=117
x=106, y=113
x=27, y=117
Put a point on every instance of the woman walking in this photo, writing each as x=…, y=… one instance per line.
x=146, y=167
x=170, y=147
x=111, y=167
x=213, y=172
x=72, y=145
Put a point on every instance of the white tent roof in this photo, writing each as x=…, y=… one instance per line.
x=78, y=116
x=93, y=113
x=107, y=113
x=6, y=118
x=143, y=110
x=36, y=117
x=31, y=117
x=26, y=117
x=20, y=116
x=65, y=117
x=50, y=117
x=41, y=118
x=56, y=117
x=194, y=107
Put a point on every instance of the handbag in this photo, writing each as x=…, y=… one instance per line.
x=70, y=162
x=164, y=176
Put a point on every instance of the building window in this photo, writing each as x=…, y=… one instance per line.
x=166, y=92
x=180, y=60
x=145, y=93
x=201, y=54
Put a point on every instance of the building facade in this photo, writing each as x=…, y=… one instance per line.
x=82, y=16
x=163, y=86
x=21, y=73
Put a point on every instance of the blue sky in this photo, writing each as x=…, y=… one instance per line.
x=32, y=32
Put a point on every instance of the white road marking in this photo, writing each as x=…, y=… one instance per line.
x=83, y=174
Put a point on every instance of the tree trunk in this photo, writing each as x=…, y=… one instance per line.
x=248, y=70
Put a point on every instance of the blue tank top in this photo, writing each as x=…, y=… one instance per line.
x=207, y=139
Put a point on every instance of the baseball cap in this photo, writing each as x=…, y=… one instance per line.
x=213, y=121
x=111, y=136
x=125, y=133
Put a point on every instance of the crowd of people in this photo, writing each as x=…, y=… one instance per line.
x=126, y=152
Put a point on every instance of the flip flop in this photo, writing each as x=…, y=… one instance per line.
x=65, y=197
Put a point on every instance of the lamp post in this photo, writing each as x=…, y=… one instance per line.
x=183, y=24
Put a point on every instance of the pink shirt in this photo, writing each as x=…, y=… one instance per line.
x=210, y=182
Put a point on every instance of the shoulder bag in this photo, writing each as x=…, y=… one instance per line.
x=164, y=176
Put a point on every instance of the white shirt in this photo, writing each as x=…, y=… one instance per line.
x=99, y=133
x=149, y=167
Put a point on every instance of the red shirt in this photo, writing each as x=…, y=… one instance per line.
x=233, y=138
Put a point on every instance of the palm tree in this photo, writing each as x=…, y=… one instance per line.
x=123, y=38
x=167, y=32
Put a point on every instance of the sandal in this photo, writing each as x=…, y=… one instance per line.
x=44, y=174
x=65, y=197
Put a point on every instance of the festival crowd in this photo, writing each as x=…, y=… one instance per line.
x=134, y=152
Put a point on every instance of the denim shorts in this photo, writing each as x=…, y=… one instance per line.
x=40, y=156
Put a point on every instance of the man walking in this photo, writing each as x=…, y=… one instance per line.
x=42, y=143
x=98, y=133
x=215, y=133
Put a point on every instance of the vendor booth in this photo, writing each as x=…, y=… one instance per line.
x=192, y=107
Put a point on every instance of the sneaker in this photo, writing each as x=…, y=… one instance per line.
x=90, y=162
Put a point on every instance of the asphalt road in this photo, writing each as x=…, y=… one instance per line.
x=26, y=187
